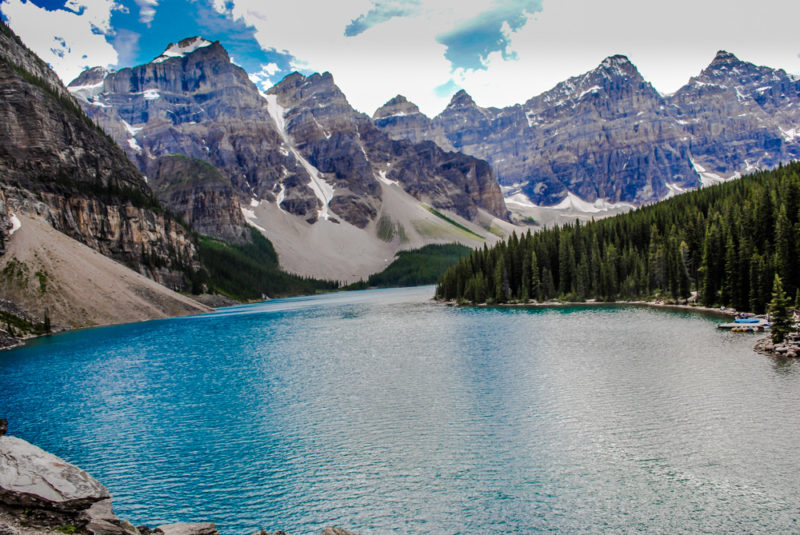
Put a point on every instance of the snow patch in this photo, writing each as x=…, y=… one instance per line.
x=250, y=216
x=134, y=145
x=88, y=91
x=178, y=51
x=281, y=197
x=16, y=224
x=322, y=190
x=674, y=189
x=520, y=199
x=398, y=114
x=592, y=89
x=387, y=181
x=132, y=130
x=790, y=134
x=151, y=94
x=707, y=178
x=573, y=202
x=253, y=202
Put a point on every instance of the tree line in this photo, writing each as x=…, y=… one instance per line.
x=725, y=242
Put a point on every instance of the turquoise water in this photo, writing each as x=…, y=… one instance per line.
x=382, y=412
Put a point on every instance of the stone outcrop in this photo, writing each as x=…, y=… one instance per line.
x=31, y=477
x=608, y=134
x=57, y=164
x=301, y=146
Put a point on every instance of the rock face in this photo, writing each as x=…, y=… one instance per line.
x=355, y=155
x=192, y=101
x=55, y=163
x=199, y=193
x=301, y=146
x=608, y=134
x=740, y=117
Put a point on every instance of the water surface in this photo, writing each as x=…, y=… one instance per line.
x=382, y=412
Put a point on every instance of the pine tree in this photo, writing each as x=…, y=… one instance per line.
x=536, y=283
x=780, y=317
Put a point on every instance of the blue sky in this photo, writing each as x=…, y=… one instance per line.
x=501, y=51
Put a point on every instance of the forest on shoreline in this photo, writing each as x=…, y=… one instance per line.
x=726, y=242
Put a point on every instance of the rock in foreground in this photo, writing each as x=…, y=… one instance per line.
x=30, y=477
x=41, y=494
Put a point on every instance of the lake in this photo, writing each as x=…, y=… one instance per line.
x=382, y=412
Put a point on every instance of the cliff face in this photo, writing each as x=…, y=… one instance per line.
x=301, y=146
x=56, y=164
x=198, y=192
x=194, y=102
x=608, y=134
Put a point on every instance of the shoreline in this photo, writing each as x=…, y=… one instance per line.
x=722, y=312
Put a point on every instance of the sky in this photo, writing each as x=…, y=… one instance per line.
x=502, y=52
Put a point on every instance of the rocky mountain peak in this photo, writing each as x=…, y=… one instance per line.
x=90, y=77
x=183, y=48
x=398, y=106
x=461, y=100
x=619, y=66
x=724, y=58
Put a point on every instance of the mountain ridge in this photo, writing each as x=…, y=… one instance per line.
x=609, y=135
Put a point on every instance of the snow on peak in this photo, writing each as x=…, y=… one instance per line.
x=184, y=47
x=724, y=57
x=461, y=99
x=618, y=66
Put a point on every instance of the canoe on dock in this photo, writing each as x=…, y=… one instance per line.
x=750, y=325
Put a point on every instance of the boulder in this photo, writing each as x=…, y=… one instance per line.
x=3, y=426
x=31, y=477
x=336, y=531
x=187, y=528
x=99, y=519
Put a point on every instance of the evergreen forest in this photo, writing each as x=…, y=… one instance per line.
x=726, y=243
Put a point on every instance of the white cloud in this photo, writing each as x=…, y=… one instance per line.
x=263, y=78
x=669, y=42
x=400, y=55
x=147, y=10
x=67, y=40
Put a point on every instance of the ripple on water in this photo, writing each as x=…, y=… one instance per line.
x=383, y=412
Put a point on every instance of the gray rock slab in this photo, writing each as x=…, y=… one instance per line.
x=31, y=477
x=188, y=528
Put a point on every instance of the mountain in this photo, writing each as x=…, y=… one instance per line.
x=318, y=178
x=740, y=117
x=608, y=136
x=60, y=172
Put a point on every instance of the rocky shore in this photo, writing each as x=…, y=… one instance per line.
x=790, y=347
x=41, y=494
